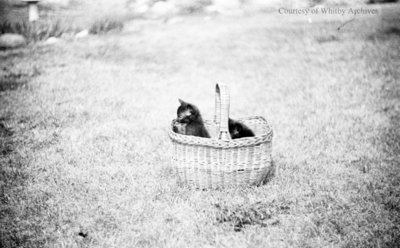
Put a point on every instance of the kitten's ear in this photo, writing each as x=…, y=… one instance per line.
x=182, y=102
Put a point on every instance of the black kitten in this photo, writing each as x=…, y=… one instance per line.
x=189, y=115
x=239, y=130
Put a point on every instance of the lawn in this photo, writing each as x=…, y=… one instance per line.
x=85, y=155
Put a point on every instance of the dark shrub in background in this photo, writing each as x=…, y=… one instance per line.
x=105, y=25
x=35, y=31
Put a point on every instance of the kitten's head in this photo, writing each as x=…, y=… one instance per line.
x=187, y=112
x=235, y=129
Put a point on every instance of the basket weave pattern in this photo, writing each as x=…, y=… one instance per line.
x=220, y=161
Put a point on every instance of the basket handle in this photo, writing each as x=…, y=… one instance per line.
x=221, y=116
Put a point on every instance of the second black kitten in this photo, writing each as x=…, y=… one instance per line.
x=189, y=115
x=239, y=130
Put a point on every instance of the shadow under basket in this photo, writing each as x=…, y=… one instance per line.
x=220, y=161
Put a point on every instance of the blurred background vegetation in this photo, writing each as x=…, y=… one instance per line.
x=58, y=17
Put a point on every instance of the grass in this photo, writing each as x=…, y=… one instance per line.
x=105, y=25
x=62, y=21
x=36, y=31
x=44, y=29
x=85, y=152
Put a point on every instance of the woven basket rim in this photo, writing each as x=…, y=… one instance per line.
x=213, y=142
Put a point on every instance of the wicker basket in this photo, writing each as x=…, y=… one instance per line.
x=220, y=161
